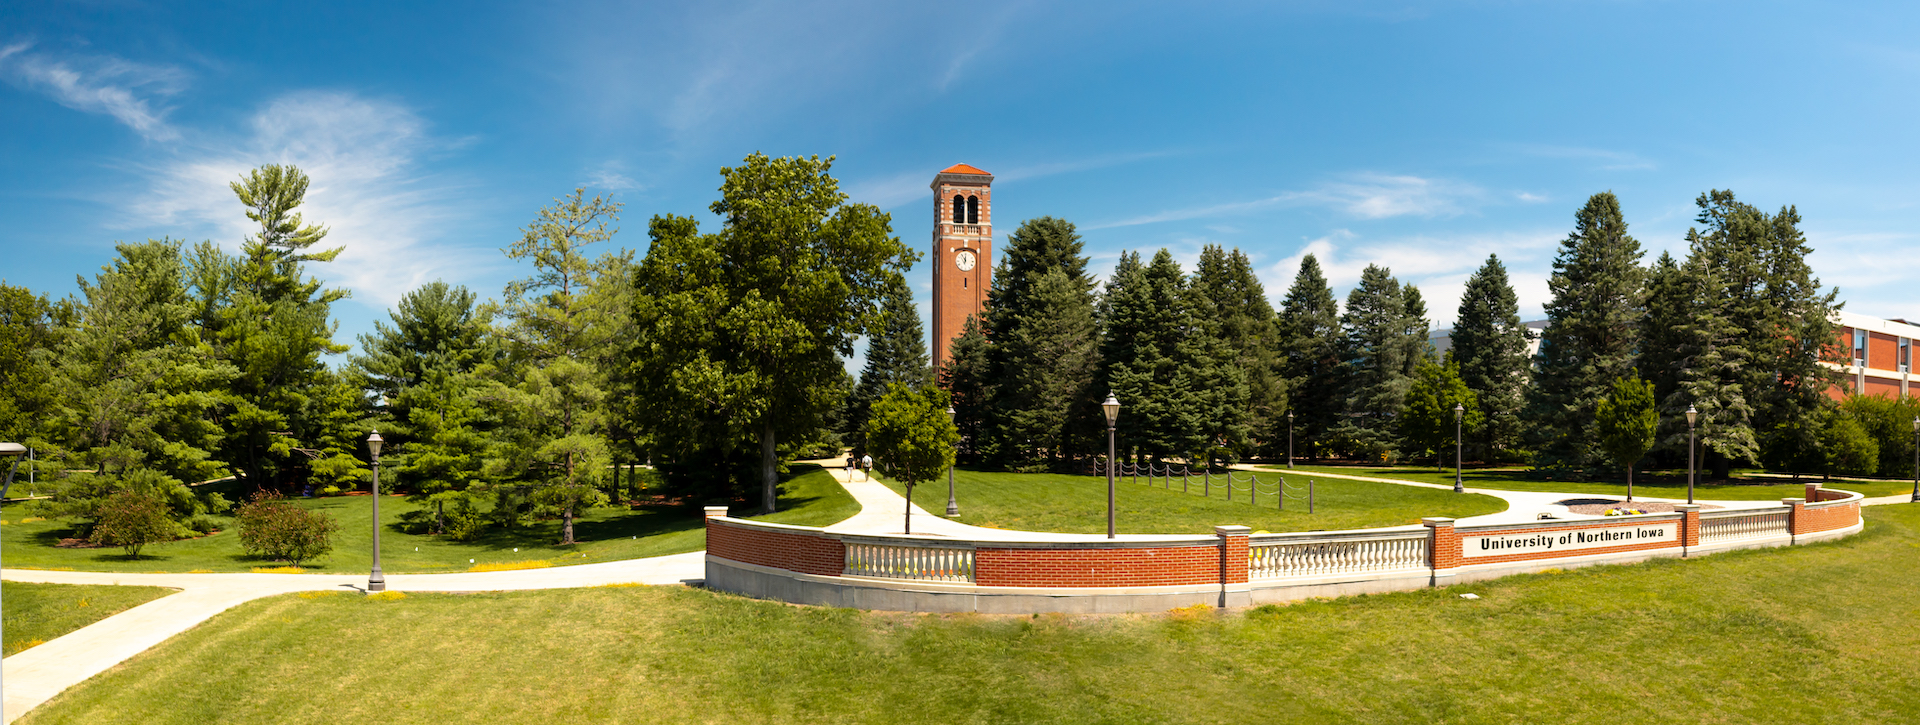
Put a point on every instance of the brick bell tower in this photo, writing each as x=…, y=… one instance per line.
x=962, y=246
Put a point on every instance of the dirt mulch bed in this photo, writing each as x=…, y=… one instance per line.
x=1599, y=506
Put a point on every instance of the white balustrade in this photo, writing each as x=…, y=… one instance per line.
x=1724, y=525
x=1276, y=558
x=920, y=563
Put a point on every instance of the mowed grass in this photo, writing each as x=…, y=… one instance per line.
x=1657, y=485
x=1813, y=634
x=809, y=498
x=37, y=613
x=1078, y=504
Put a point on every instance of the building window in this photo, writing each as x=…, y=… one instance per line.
x=963, y=283
x=1906, y=355
x=959, y=209
x=973, y=210
x=1860, y=348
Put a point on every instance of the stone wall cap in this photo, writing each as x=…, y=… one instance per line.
x=1792, y=501
x=1436, y=521
x=1686, y=507
x=712, y=509
x=1233, y=530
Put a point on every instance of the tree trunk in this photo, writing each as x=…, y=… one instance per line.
x=566, y=525
x=1722, y=467
x=1629, y=482
x=769, y=471
x=439, y=517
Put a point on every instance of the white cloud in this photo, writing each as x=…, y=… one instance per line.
x=1363, y=195
x=1607, y=160
x=1531, y=198
x=611, y=176
x=1377, y=196
x=109, y=85
x=1439, y=266
x=360, y=154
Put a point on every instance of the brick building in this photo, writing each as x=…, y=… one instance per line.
x=962, y=251
x=1879, y=356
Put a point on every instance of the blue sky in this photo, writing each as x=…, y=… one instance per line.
x=1420, y=136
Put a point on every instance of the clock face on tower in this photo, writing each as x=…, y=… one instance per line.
x=964, y=260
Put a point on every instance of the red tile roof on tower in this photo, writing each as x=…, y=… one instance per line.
x=963, y=169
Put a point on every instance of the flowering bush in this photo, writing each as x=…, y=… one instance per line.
x=272, y=527
x=1624, y=512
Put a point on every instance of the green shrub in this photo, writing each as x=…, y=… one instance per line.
x=203, y=524
x=1849, y=450
x=131, y=520
x=274, y=528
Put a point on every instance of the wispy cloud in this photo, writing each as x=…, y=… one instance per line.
x=612, y=177
x=888, y=192
x=1363, y=195
x=361, y=155
x=117, y=87
x=1603, y=158
x=1531, y=198
x=1438, y=265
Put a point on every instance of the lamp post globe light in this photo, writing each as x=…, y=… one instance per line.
x=12, y=451
x=1289, y=439
x=1691, y=416
x=1111, y=407
x=377, y=581
x=1458, y=412
x=953, y=504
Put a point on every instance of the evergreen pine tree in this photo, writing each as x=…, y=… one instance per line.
x=1047, y=354
x=1228, y=348
x=1378, y=358
x=1710, y=373
x=1042, y=347
x=1309, y=343
x=1231, y=304
x=896, y=353
x=1591, y=333
x=1490, y=346
x=967, y=376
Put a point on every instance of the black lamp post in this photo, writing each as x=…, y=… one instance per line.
x=1916, y=459
x=1289, y=439
x=377, y=581
x=1112, y=410
x=953, y=504
x=1691, y=416
x=1458, y=412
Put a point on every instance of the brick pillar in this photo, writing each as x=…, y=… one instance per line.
x=1234, y=591
x=1798, y=518
x=1813, y=491
x=1689, y=526
x=1443, y=550
x=716, y=512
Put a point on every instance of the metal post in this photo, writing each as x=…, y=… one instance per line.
x=377, y=581
x=1690, y=465
x=1253, y=485
x=909, y=524
x=1136, y=474
x=1309, y=495
x=953, y=504
x=1458, y=412
x=1283, y=493
x=1289, y=439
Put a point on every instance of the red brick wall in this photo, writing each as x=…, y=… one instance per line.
x=1133, y=567
x=803, y=553
x=1883, y=387
x=1827, y=518
x=1883, y=351
x=1532, y=555
x=1446, y=547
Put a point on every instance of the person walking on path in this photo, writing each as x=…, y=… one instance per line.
x=866, y=463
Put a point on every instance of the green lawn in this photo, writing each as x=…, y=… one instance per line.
x=810, y=498
x=1813, y=634
x=1659, y=485
x=1078, y=504
x=37, y=613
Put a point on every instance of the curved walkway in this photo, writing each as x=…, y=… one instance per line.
x=33, y=676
